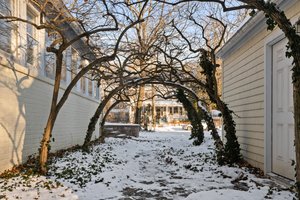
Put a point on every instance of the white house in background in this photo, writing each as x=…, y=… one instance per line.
x=26, y=84
x=257, y=86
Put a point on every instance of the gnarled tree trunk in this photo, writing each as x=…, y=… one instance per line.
x=44, y=147
x=232, y=147
x=297, y=129
x=153, y=109
x=194, y=117
x=139, y=105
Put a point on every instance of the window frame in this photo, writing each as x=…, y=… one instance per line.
x=64, y=67
x=171, y=110
x=35, y=37
x=9, y=51
x=76, y=58
x=176, y=110
x=90, y=86
x=96, y=91
x=48, y=54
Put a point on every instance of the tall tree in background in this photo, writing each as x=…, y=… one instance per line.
x=146, y=35
x=119, y=76
x=207, y=66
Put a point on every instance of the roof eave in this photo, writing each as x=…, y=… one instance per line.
x=253, y=26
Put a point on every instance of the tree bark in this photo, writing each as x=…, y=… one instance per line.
x=232, y=147
x=92, y=125
x=153, y=111
x=139, y=105
x=215, y=135
x=194, y=117
x=44, y=146
x=297, y=130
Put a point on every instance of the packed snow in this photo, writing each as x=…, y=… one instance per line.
x=157, y=165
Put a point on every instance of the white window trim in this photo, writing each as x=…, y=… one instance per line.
x=68, y=65
x=65, y=59
x=12, y=39
x=37, y=50
x=83, y=63
x=77, y=86
x=97, y=93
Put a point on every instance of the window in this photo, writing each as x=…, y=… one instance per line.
x=90, y=87
x=74, y=63
x=180, y=111
x=64, y=66
x=83, y=79
x=83, y=84
x=49, y=58
x=175, y=110
x=5, y=27
x=157, y=109
x=32, y=43
x=170, y=110
x=96, y=89
x=5, y=7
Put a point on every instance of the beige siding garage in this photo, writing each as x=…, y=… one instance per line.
x=243, y=85
x=244, y=82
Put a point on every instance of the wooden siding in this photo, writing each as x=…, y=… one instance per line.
x=243, y=90
x=25, y=103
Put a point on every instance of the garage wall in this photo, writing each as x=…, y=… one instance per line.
x=243, y=90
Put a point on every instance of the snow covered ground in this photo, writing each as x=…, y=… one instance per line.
x=157, y=165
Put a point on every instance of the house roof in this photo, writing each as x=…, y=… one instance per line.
x=250, y=27
x=73, y=29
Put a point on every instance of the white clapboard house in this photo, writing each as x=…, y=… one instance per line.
x=257, y=85
x=26, y=84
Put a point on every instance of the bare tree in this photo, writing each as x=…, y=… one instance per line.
x=54, y=17
x=119, y=76
x=178, y=75
x=99, y=110
x=146, y=35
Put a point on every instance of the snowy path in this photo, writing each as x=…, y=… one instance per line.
x=160, y=165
